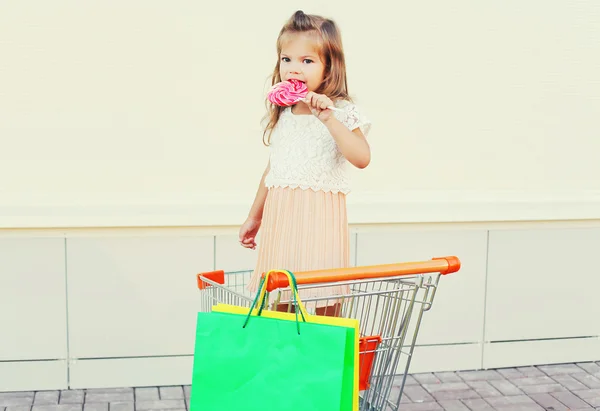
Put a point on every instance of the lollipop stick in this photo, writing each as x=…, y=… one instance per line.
x=329, y=107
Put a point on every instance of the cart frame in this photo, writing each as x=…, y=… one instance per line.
x=389, y=301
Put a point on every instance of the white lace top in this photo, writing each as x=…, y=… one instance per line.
x=305, y=155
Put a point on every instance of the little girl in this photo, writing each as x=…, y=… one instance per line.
x=301, y=199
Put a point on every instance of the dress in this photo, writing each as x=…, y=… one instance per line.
x=305, y=225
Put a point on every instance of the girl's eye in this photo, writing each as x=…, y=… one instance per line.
x=308, y=61
x=286, y=59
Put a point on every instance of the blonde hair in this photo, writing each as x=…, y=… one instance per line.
x=329, y=42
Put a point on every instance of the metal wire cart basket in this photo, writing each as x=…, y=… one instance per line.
x=389, y=301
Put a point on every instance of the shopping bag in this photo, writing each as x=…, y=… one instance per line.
x=252, y=362
x=351, y=361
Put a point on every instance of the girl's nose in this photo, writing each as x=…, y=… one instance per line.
x=295, y=68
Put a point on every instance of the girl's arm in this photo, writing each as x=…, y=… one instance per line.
x=256, y=211
x=249, y=230
x=352, y=144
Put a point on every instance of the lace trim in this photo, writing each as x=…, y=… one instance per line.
x=327, y=189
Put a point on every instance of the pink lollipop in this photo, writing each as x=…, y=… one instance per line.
x=287, y=93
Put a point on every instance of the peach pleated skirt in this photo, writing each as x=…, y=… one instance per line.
x=303, y=230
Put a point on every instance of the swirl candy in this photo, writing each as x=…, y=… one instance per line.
x=287, y=93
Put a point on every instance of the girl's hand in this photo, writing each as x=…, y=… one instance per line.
x=318, y=104
x=248, y=232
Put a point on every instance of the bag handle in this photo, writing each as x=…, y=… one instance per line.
x=294, y=287
x=262, y=293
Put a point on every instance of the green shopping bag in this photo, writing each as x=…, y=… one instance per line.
x=351, y=362
x=249, y=362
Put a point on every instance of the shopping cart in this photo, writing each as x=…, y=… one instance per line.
x=388, y=300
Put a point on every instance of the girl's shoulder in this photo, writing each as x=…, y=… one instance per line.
x=352, y=116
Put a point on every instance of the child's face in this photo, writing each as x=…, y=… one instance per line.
x=300, y=60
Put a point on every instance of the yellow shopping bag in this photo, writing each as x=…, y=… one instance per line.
x=334, y=321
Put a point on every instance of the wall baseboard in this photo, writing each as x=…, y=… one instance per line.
x=433, y=206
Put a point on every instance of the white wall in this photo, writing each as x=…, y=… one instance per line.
x=147, y=112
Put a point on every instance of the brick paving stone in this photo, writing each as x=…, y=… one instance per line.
x=585, y=394
x=591, y=397
x=570, y=400
x=109, y=395
x=410, y=380
x=46, y=397
x=506, y=387
x=594, y=402
x=587, y=379
x=417, y=393
x=484, y=389
x=187, y=389
x=522, y=382
x=71, y=397
x=95, y=406
x=521, y=407
x=171, y=393
x=445, y=386
x=569, y=382
x=146, y=394
x=159, y=405
x=559, y=369
x=590, y=367
x=477, y=404
x=453, y=405
x=426, y=378
x=506, y=401
x=8, y=399
x=543, y=388
x=394, y=392
x=19, y=408
x=455, y=395
x=448, y=377
x=484, y=375
x=58, y=407
x=530, y=372
x=422, y=406
x=510, y=373
x=549, y=402
x=121, y=406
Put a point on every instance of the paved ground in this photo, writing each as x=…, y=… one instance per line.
x=552, y=387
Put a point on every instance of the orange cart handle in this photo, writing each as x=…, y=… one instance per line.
x=442, y=265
